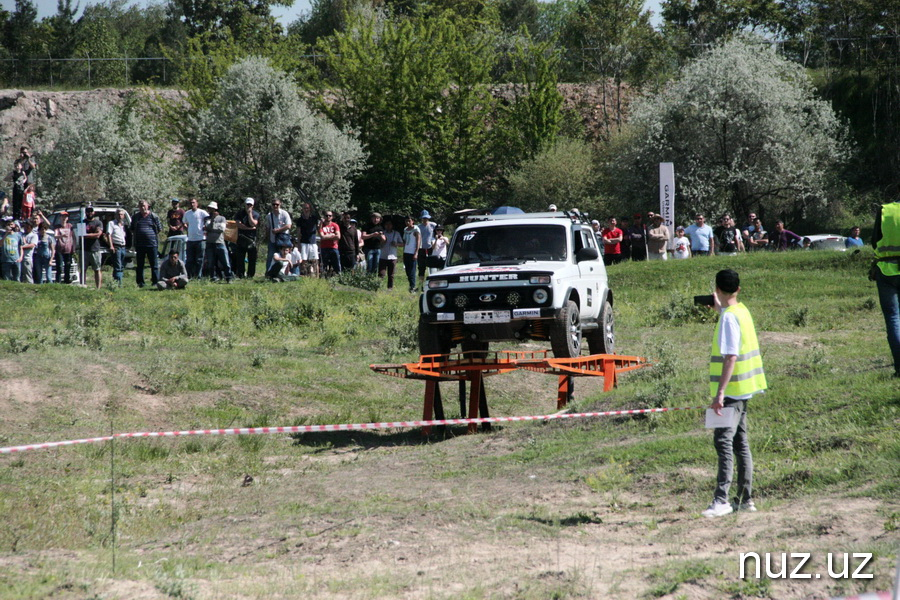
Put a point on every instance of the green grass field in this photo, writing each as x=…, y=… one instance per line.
x=578, y=509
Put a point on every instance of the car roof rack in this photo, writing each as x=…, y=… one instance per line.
x=572, y=215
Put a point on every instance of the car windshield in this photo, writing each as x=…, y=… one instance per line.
x=509, y=244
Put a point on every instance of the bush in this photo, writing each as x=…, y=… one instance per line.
x=562, y=175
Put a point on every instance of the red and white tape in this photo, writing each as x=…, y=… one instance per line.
x=342, y=427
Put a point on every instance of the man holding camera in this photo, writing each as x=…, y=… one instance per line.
x=735, y=375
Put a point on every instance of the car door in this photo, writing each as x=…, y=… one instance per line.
x=592, y=275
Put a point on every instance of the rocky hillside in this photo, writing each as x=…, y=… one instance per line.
x=26, y=115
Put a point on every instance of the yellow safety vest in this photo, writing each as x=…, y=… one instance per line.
x=748, y=376
x=889, y=244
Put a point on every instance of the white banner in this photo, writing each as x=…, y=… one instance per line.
x=667, y=198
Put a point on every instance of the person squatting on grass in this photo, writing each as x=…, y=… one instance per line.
x=886, y=240
x=172, y=273
x=735, y=375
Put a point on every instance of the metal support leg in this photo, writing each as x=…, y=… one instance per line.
x=609, y=375
x=564, y=390
x=483, y=407
x=475, y=398
x=428, y=410
x=462, y=398
x=439, y=407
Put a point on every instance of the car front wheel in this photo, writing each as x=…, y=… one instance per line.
x=565, y=333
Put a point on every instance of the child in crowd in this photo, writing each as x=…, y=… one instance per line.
x=681, y=244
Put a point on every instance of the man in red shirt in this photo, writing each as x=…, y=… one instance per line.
x=612, y=239
x=329, y=237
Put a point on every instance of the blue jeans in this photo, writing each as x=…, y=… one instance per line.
x=409, y=265
x=732, y=445
x=146, y=253
x=194, y=259
x=11, y=271
x=331, y=259
x=888, y=293
x=217, y=258
x=41, y=269
x=372, y=258
x=119, y=263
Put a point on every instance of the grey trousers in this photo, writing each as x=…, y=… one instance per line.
x=733, y=445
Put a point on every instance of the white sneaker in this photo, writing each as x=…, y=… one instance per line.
x=717, y=509
x=746, y=506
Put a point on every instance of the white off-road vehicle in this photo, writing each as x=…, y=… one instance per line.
x=535, y=276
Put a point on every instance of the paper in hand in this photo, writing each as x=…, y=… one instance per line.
x=714, y=421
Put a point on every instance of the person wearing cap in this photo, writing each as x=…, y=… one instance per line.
x=373, y=237
x=173, y=273
x=247, y=220
x=175, y=219
x=439, y=247
x=681, y=244
x=216, y=250
x=657, y=239
x=426, y=232
x=278, y=222
x=329, y=237
x=145, y=229
x=195, y=249
x=92, y=255
x=348, y=244
x=552, y=208
x=598, y=236
x=65, y=247
x=735, y=375
x=115, y=233
x=637, y=238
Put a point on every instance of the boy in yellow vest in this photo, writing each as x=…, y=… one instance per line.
x=735, y=375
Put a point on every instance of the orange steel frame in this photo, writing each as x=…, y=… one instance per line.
x=474, y=366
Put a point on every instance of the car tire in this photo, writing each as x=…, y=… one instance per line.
x=431, y=339
x=603, y=339
x=565, y=332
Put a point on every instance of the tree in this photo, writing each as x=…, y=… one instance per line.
x=563, y=174
x=693, y=26
x=243, y=19
x=109, y=152
x=745, y=131
x=417, y=90
x=616, y=42
x=259, y=138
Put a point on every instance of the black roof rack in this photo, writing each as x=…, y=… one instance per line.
x=572, y=215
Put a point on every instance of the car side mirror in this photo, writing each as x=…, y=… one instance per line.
x=586, y=254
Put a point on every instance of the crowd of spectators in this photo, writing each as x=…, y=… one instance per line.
x=622, y=240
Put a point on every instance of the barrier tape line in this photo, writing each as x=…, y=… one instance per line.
x=341, y=427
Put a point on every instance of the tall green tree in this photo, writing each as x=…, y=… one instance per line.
x=694, y=26
x=242, y=19
x=617, y=44
x=745, y=131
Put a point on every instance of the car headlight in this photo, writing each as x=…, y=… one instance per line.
x=539, y=279
x=439, y=300
x=436, y=284
x=540, y=296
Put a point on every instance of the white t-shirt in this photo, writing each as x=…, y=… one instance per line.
x=730, y=340
x=440, y=247
x=30, y=238
x=117, y=232
x=681, y=246
x=296, y=257
x=195, y=221
x=411, y=243
x=389, y=247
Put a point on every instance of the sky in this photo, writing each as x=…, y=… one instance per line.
x=287, y=16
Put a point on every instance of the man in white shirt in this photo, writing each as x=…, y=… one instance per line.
x=195, y=221
x=279, y=224
x=115, y=232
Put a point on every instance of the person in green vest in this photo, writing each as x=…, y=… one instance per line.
x=886, y=241
x=735, y=375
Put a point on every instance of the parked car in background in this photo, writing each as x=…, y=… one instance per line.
x=106, y=212
x=825, y=241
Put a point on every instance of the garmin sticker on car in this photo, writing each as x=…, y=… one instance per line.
x=526, y=313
